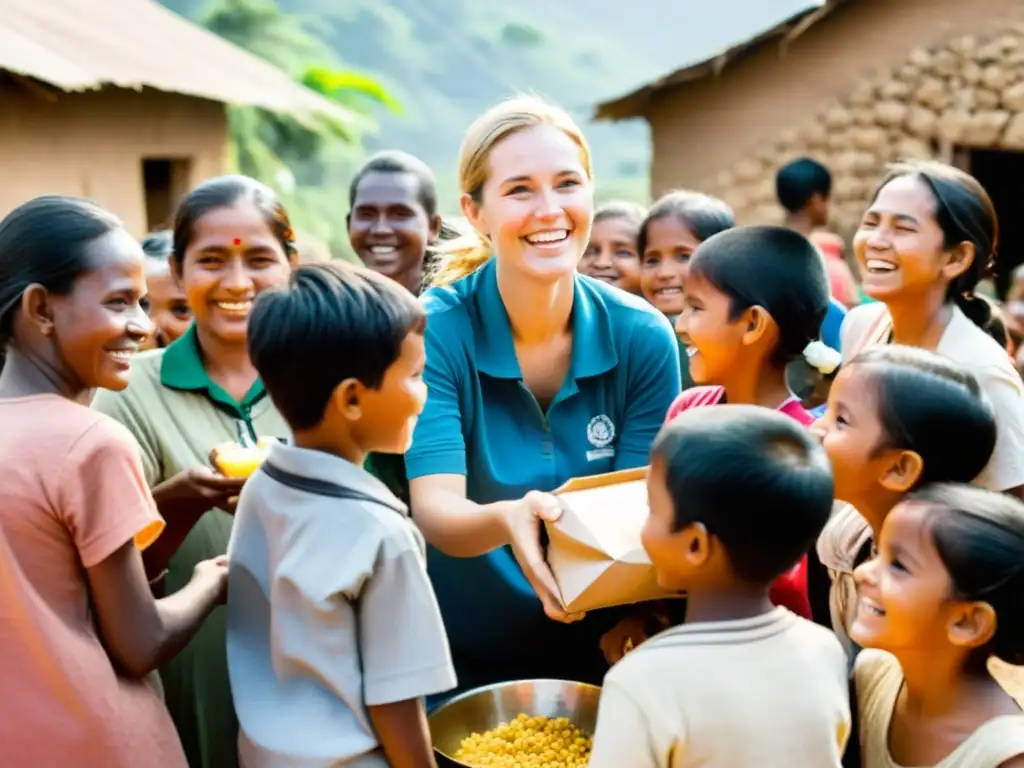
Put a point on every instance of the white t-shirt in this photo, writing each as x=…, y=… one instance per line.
x=329, y=611
x=771, y=691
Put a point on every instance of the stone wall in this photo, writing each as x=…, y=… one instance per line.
x=968, y=92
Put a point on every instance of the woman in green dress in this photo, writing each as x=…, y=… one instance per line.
x=232, y=239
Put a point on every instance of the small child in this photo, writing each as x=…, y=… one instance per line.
x=898, y=418
x=737, y=494
x=611, y=254
x=165, y=301
x=676, y=224
x=941, y=598
x=755, y=299
x=334, y=633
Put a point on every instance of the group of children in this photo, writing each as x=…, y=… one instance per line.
x=806, y=546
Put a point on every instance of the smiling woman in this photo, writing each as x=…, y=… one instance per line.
x=927, y=239
x=76, y=509
x=527, y=361
x=232, y=240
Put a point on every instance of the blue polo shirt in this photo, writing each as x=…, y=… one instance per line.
x=481, y=421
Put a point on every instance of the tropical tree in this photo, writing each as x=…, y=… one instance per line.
x=307, y=159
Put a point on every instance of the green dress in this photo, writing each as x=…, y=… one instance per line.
x=177, y=414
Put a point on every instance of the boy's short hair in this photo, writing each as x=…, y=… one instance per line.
x=800, y=180
x=754, y=477
x=331, y=322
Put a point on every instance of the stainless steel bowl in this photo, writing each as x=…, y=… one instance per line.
x=485, y=708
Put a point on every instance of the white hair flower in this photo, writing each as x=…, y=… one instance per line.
x=822, y=357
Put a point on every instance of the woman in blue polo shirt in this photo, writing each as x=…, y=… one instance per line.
x=536, y=374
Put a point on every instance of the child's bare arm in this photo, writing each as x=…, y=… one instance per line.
x=403, y=733
x=141, y=633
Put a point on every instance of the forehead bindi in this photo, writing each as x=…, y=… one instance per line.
x=540, y=152
x=235, y=226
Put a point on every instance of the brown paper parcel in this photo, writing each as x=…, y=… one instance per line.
x=595, y=551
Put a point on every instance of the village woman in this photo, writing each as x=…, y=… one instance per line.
x=232, y=240
x=536, y=375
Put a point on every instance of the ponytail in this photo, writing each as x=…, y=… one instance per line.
x=461, y=258
x=978, y=310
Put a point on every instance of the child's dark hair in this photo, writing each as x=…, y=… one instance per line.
x=632, y=212
x=158, y=245
x=331, y=322
x=224, y=192
x=997, y=327
x=932, y=406
x=774, y=268
x=979, y=536
x=702, y=214
x=46, y=241
x=755, y=478
x=965, y=213
x=396, y=161
x=799, y=180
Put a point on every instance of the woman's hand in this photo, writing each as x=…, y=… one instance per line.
x=523, y=521
x=198, y=489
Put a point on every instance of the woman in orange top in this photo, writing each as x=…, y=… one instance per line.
x=79, y=627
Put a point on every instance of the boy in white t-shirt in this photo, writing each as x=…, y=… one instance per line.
x=334, y=633
x=737, y=495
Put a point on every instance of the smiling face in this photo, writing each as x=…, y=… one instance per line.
x=536, y=205
x=905, y=599
x=665, y=263
x=100, y=325
x=166, y=305
x=611, y=254
x=899, y=244
x=852, y=433
x=388, y=226
x=232, y=256
x=714, y=341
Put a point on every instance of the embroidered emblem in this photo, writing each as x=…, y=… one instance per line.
x=601, y=431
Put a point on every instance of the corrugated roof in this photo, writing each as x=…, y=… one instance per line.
x=78, y=45
x=796, y=22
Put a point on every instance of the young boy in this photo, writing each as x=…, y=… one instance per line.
x=334, y=633
x=737, y=494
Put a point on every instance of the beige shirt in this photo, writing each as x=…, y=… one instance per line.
x=965, y=343
x=771, y=692
x=330, y=611
x=879, y=679
x=962, y=342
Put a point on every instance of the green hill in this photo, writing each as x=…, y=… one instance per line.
x=448, y=60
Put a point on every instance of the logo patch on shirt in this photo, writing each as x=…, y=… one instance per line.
x=601, y=434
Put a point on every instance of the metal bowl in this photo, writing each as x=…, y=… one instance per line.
x=484, y=708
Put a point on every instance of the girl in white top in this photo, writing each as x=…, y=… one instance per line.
x=898, y=418
x=940, y=599
x=928, y=237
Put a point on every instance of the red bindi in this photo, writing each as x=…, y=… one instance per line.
x=236, y=242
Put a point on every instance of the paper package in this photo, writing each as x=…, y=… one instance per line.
x=595, y=551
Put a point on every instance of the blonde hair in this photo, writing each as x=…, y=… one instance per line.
x=463, y=256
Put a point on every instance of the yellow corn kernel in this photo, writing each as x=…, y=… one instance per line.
x=527, y=742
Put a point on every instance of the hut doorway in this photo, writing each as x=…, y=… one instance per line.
x=1002, y=175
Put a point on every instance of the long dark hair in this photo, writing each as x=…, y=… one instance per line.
x=45, y=241
x=965, y=213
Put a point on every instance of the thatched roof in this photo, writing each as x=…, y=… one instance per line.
x=634, y=103
x=80, y=45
